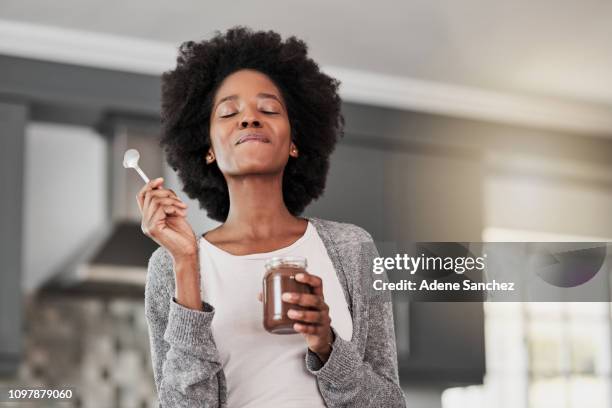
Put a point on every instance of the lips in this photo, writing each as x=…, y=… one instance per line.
x=258, y=137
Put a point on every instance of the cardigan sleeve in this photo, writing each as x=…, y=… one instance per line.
x=186, y=365
x=348, y=379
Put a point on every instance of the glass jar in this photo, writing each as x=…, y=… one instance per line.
x=278, y=279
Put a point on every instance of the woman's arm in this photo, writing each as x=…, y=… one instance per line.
x=347, y=379
x=186, y=365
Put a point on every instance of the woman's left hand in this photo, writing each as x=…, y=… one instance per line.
x=314, y=324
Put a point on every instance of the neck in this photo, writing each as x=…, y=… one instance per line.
x=257, y=209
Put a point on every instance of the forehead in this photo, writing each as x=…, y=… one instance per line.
x=246, y=83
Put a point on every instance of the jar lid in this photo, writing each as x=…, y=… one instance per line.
x=286, y=261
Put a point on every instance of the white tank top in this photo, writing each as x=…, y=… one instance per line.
x=263, y=369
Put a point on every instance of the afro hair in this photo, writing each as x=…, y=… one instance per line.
x=313, y=106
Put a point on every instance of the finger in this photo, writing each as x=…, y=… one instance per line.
x=314, y=281
x=140, y=197
x=156, y=203
x=308, y=316
x=149, y=208
x=309, y=329
x=305, y=299
x=161, y=193
x=176, y=196
x=151, y=225
x=174, y=211
x=162, y=213
x=153, y=185
x=170, y=201
x=260, y=297
x=152, y=195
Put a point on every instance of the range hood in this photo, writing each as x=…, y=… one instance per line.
x=113, y=262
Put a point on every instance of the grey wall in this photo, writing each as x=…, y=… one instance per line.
x=547, y=202
x=65, y=196
x=399, y=194
x=13, y=117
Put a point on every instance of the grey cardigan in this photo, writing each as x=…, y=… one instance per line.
x=361, y=372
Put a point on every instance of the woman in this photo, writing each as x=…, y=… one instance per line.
x=249, y=123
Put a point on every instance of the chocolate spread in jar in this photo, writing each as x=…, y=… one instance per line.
x=278, y=279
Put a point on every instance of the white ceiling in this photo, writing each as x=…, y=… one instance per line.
x=555, y=48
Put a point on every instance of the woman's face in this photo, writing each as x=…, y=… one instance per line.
x=248, y=103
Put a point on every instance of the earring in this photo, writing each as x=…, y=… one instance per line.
x=209, y=158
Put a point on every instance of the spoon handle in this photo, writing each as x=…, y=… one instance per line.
x=144, y=176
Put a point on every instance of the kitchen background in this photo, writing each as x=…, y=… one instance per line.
x=465, y=121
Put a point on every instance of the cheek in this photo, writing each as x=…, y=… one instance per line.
x=284, y=128
x=219, y=137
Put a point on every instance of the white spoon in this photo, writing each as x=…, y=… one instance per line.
x=130, y=160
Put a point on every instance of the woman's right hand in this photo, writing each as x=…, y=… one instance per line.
x=164, y=220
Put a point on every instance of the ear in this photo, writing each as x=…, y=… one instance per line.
x=293, y=150
x=210, y=156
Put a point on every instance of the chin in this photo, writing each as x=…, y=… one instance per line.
x=255, y=166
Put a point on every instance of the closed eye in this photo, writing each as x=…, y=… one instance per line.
x=266, y=112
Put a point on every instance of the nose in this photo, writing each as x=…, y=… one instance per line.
x=249, y=117
x=245, y=123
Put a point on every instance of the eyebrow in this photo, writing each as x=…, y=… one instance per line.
x=261, y=95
